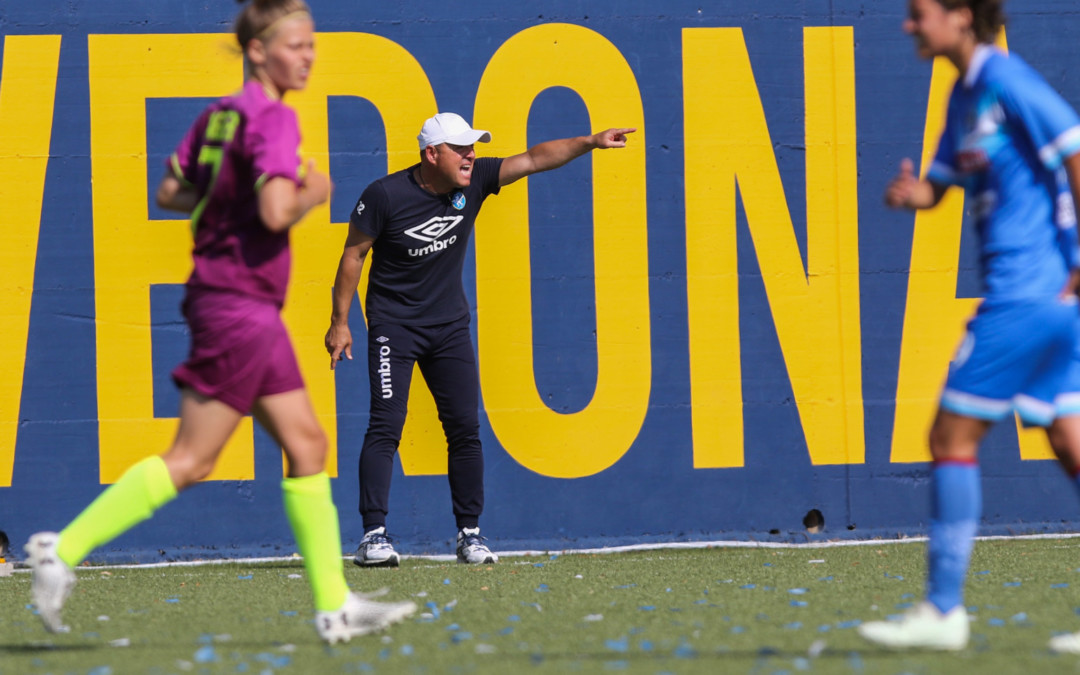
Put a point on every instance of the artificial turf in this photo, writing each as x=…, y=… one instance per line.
x=716, y=610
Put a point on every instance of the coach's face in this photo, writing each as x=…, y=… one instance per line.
x=455, y=163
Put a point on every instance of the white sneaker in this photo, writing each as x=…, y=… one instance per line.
x=360, y=616
x=922, y=627
x=375, y=550
x=51, y=582
x=1066, y=644
x=471, y=549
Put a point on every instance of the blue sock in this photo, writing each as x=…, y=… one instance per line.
x=957, y=505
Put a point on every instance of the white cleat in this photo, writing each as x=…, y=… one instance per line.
x=921, y=627
x=360, y=616
x=1066, y=644
x=51, y=582
x=471, y=549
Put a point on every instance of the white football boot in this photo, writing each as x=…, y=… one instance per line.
x=1066, y=644
x=51, y=581
x=921, y=627
x=360, y=616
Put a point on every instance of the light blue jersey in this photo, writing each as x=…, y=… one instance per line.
x=1006, y=135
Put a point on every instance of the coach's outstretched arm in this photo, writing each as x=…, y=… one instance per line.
x=553, y=154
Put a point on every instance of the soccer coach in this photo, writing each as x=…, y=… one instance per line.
x=418, y=221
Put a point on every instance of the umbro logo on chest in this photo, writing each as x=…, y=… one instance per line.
x=434, y=228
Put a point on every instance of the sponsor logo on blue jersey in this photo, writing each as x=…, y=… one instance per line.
x=458, y=200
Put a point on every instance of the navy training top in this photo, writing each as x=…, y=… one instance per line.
x=420, y=244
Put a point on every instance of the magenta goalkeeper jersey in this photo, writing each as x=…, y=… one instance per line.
x=235, y=146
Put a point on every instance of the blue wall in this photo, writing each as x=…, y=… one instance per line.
x=657, y=490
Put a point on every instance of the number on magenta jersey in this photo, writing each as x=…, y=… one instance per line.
x=220, y=129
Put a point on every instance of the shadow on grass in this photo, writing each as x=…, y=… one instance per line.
x=31, y=648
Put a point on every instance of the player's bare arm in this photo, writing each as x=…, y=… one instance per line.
x=908, y=191
x=553, y=154
x=283, y=203
x=174, y=195
x=338, y=337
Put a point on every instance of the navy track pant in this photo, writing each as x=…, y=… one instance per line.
x=447, y=361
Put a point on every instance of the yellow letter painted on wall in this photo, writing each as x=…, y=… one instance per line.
x=593, y=439
x=27, y=93
x=393, y=81
x=132, y=252
x=816, y=311
x=935, y=319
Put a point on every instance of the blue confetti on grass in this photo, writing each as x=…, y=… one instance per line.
x=1011, y=584
x=994, y=621
x=101, y=670
x=685, y=651
x=407, y=650
x=645, y=646
x=172, y=601
x=446, y=582
x=903, y=605
x=907, y=596
x=767, y=565
x=824, y=628
x=625, y=586
x=453, y=626
x=554, y=556
x=849, y=624
x=983, y=572
x=825, y=579
x=616, y=665
x=794, y=625
x=288, y=612
x=855, y=662
x=513, y=617
x=647, y=608
x=700, y=602
x=799, y=603
x=1059, y=585
x=1021, y=617
x=507, y=630
x=244, y=576
x=620, y=645
x=461, y=637
x=538, y=564
x=542, y=588
x=797, y=591
x=206, y=654
x=748, y=586
x=738, y=629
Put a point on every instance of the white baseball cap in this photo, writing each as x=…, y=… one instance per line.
x=450, y=128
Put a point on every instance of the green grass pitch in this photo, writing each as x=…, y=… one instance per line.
x=715, y=610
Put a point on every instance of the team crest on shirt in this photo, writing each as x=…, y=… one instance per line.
x=458, y=200
x=359, y=208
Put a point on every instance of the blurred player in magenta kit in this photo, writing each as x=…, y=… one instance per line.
x=237, y=172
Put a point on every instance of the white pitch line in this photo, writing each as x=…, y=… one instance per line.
x=587, y=551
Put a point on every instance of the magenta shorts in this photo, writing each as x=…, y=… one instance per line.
x=240, y=350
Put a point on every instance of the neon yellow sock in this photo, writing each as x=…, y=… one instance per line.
x=314, y=521
x=143, y=489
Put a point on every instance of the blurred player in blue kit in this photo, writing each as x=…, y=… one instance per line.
x=1013, y=144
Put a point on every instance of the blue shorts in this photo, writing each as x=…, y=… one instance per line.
x=1015, y=357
